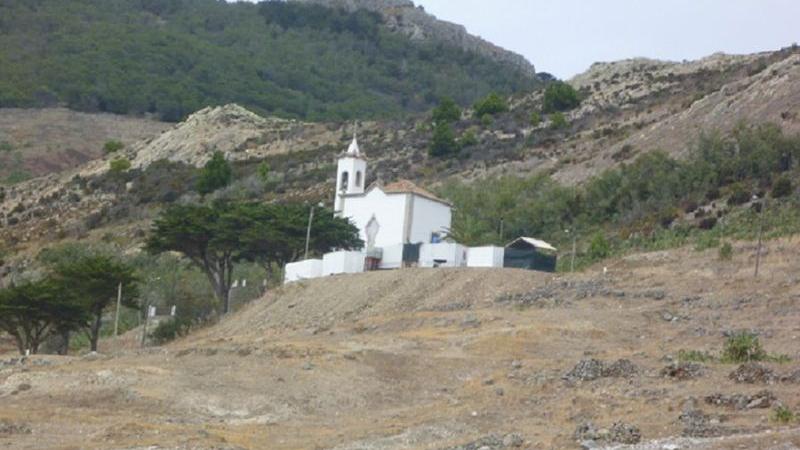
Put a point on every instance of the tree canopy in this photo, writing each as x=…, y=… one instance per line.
x=216, y=237
x=447, y=111
x=173, y=57
x=93, y=278
x=490, y=105
x=32, y=310
x=560, y=96
x=216, y=174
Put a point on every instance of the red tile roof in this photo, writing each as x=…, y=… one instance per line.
x=408, y=187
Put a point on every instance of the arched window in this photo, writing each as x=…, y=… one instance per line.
x=345, y=180
x=358, y=179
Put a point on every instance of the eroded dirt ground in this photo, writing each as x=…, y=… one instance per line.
x=445, y=359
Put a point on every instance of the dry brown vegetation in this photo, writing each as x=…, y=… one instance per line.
x=436, y=359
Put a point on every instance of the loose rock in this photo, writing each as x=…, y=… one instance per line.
x=621, y=368
x=763, y=399
x=592, y=369
x=619, y=433
x=753, y=373
x=8, y=428
x=683, y=371
x=586, y=370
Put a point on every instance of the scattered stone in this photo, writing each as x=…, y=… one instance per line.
x=753, y=373
x=623, y=433
x=586, y=370
x=308, y=366
x=683, y=371
x=500, y=392
x=621, y=368
x=696, y=424
x=761, y=400
x=792, y=377
x=470, y=322
x=513, y=440
x=619, y=433
x=488, y=382
x=491, y=442
x=585, y=432
x=653, y=295
x=516, y=364
x=592, y=369
x=8, y=428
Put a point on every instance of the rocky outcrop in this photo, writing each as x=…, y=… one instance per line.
x=403, y=17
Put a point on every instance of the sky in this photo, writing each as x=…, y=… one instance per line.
x=564, y=37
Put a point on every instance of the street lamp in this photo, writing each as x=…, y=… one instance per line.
x=308, y=231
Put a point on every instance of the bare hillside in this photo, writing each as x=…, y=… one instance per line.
x=446, y=359
x=43, y=141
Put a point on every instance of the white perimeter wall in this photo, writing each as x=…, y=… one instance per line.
x=428, y=217
x=455, y=255
x=342, y=262
x=303, y=270
x=392, y=257
x=486, y=257
x=389, y=211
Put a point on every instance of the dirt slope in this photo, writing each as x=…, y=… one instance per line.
x=49, y=140
x=440, y=359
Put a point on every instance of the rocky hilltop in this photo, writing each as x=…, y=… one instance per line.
x=413, y=21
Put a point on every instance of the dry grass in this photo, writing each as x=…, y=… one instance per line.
x=387, y=361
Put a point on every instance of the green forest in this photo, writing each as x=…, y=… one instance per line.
x=172, y=57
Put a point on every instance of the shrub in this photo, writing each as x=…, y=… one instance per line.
x=739, y=195
x=599, y=248
x=782, y=414
x=112, y=146
x=694, y=356
x=782, y=187
x=743, y=347
x=491, y=104
x=444, y=141
x=560, y=96
x=536, y=119
x=6, y=146
x=119, y=165
x=216, y=174
x=726, y=252
x=468, y=139
x=169, y=330
x=558, y=121
x=707, y=223
x=264, y=172
x=447, y=111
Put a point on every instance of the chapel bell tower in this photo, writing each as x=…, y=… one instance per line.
x=351, y=174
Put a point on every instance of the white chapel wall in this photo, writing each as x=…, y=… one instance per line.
x=429, y=217
x=389, y=210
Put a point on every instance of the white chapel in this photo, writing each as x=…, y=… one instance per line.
x=387, y=215
x=403, y=225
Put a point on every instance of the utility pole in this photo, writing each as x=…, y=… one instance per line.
x=760, y=233
x=574, y=248
x=146, y=319
x=116, y=315
x=308, y=231
x=502, y=230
